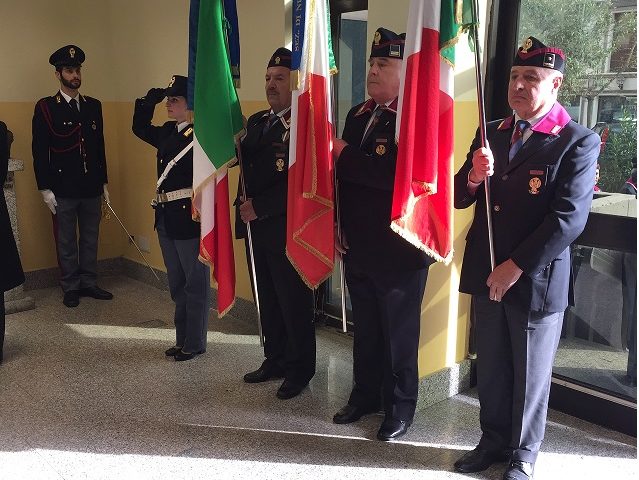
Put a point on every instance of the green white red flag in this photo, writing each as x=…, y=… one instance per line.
x=217, y=125
x=310, y=217
x=422, y=210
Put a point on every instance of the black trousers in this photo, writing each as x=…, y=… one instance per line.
x=386, y=316
x=515, y=353
x=286, y=309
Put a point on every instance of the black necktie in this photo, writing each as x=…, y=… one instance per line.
x=376, y=114
x=74, y=103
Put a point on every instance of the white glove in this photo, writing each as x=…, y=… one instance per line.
x=49, y=199
x=105, y=193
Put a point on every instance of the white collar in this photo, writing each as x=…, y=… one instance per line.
x=68, y=98
x=280, y=114
x=181, y=126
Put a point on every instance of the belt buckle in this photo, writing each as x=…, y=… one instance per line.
x=162, y=198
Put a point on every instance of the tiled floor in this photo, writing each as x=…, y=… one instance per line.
x=87, y=393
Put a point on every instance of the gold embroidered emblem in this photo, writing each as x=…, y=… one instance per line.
x=171, y=82
x=72, y=52
x=534, y=184
x=277, y=60
x=188, y=131
x=279, y=165
x=526, y=46
x=57, y=99
x=380, y=150
x=377, y=38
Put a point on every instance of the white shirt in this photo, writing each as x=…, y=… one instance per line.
x=181, y=126
x=68, y=98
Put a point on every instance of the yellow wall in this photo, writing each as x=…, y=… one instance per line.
x=132, y=46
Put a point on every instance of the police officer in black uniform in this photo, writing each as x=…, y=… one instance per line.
x=71, y=173
x=179, y=235
x=286, y=303
x=386, y=275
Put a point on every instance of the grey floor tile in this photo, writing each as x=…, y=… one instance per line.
x=87, y=393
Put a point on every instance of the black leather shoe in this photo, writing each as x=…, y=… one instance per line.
x=183, y=356
x=290, y=389
x=266, y=372
x=479, y=459
x=96, y=292
x=518, y=470
x=392, y=429
x=173, y=351
x=71, y=298
x=351, y=413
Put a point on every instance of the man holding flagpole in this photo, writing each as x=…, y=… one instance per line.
x=540, y=165
x=286, y=303
x=386, y=276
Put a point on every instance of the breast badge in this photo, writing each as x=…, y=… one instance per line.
x=534, y=184
x=279, y=165
x=380, y=150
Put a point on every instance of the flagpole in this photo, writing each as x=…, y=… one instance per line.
x=482, y=126
x=342, y=276
x=251, y=253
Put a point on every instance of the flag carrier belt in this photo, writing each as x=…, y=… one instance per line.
x=166, y=197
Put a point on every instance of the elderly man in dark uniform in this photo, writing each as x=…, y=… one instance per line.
x=541, y=165
x=179, y=235
x=286, y=303
x=386, y=275
x=10, y=265
x=71, y=173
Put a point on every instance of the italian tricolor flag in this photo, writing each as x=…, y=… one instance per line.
x=310, y=216
x=422, y=211
x=217, y=125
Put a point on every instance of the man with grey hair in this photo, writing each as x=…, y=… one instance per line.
x=541, y=166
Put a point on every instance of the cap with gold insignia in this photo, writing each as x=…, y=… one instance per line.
x=533, y=53
x=176, y=87
x=67, y=56
x=387, y=44
x=280, y=58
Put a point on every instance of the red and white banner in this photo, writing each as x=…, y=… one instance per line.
x=422, y=211
x=309, y=235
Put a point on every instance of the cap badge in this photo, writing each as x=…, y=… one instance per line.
x=527, y=45
x=534, y=185
x=279, y=164
x=72, y=52
x=549, y=60
x=377, y=38
x=277, y=60
x=171, y=82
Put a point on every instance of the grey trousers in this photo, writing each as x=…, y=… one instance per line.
x=189, y=284
x=77, y=256
x=515, y=353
